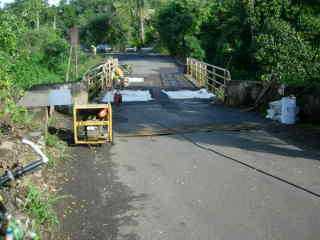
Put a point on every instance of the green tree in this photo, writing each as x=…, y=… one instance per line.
x=10, y=30
x=260, y=39
x=178, y=23
x=286, y=57
x=31, y=11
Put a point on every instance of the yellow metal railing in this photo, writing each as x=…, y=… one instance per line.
x=206, y=75
x=101, y=77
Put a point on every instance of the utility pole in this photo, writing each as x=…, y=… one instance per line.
x=140, y=8
x=73, y=54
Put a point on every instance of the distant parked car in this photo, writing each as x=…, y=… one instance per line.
x=131, y=49
x=103, y=48
x=147, y=49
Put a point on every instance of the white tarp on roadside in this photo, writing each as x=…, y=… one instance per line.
x=129, y=96
x=189, y=94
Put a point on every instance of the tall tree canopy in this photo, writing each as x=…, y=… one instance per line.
x=256, y=39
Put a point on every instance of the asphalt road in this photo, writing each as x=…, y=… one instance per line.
x=202, y=185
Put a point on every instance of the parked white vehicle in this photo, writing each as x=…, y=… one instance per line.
x=131, y=49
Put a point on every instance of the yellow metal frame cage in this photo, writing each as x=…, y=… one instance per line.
x=107, y=121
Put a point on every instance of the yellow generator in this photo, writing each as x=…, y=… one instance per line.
x=92, y=123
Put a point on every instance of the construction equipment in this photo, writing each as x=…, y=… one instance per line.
x=92, y=123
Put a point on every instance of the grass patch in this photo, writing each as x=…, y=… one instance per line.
x=56, y=150
x=17, y=115
x=88, y=61
x=53, y=141
x=39, y=204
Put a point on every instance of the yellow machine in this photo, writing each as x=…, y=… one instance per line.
x=92, y=123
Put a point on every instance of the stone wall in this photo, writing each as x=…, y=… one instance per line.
x=245, y=93
x=242, y=93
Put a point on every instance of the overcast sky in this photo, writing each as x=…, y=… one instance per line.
x=2, y=2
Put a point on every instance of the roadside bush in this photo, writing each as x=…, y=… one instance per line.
x=9, y=95
x=10, y=30
x=285, y=56
x=55, y=55
x=48, y=48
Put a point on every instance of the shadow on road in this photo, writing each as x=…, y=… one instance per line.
x=100, y=204
x=139, y=117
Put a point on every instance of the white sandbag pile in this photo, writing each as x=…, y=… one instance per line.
x=129, y=81
x=284, y=110
x=135, y=80
x=189, y=94
x=129, y=96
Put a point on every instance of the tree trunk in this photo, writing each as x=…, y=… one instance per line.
x=54, y=25
x=142, y=37
x=38, y=21
x=140, y=5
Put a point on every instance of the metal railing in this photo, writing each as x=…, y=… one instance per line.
x=101, y=76
x=206, y=75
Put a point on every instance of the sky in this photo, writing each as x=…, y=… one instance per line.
x=52, y=2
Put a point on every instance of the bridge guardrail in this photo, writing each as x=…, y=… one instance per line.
x=209, y=76
x=101, y=76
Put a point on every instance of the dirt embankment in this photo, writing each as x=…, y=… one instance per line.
x=28, y=199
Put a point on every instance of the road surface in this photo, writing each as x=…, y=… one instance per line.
x=215, y=185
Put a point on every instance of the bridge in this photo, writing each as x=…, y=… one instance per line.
x=190, y=168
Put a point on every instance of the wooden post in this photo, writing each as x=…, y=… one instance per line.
x=214, y=76
x=225, y=86
x=200, y=73
x=187, y=63
x=205, y=73
x=75, y=130
x=196, y=73
x=51, y=111
x=103, y=78
x=69, y=63
x=108, y=66
x=204, y=79
x=46, y=121
x=110, y=130
x=192, y=67
x=76, y=60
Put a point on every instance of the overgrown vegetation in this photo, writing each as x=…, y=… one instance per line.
x=33, y=50
x=267, y=40
x=56, y=150
x=30, y=56
x=119, y=23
